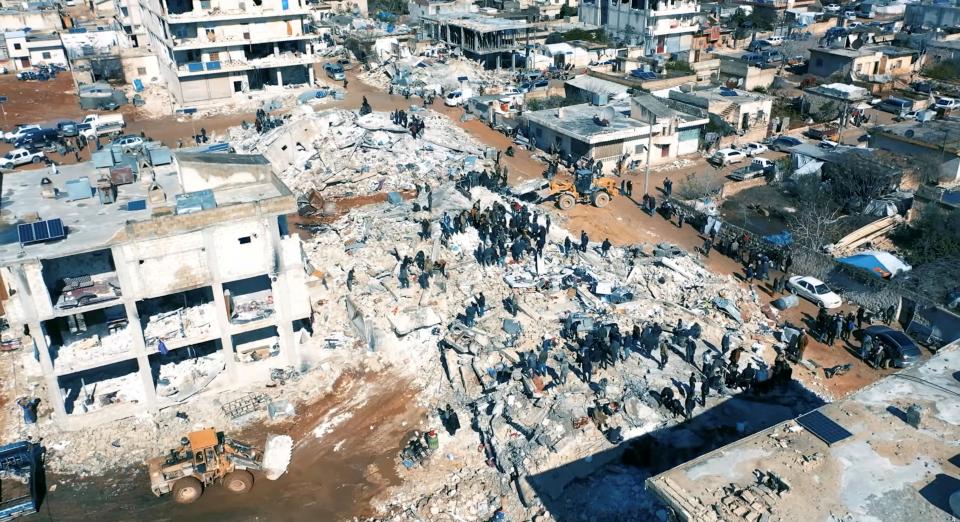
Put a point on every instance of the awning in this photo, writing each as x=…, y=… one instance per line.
x=880, y=264
x=810, y=167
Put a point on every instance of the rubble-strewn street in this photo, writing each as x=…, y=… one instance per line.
x=420, y=261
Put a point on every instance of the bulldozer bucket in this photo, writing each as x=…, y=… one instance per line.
x=276, y=456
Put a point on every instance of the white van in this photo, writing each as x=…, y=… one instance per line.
x=457, y=97
x=774, y=40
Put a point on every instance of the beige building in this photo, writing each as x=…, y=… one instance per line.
x=211, y=52
x=117, y=276
x=746, y=113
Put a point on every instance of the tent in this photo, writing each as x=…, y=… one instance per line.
x=880, y=264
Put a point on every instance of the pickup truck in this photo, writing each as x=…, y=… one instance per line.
x=91, y=131
x=824, y=132
x=17, y=157
x=757, y=167
x=20, y=131
x=102, y=119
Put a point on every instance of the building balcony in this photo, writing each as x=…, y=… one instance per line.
x=680, y=8
x=215, y=67
x=202, y=42
x=668, y=27
x=220, y=15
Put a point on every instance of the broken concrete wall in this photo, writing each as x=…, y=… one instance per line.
x=243, y=249
x=162, y=266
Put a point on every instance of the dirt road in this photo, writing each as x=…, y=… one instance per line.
x=362, y=425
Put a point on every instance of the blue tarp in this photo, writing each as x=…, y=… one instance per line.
x=880, y=264
x=782, y=239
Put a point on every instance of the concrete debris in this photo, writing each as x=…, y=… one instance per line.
x=338, y=153
x=419, y=74
x=183, y=323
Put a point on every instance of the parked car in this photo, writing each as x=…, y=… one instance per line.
x=759, y=45
x=895, y=105
x=947, y=103
x=775, y=40
x=832, y=8
x=753, y=148
x=129, y=143
x=532, y=86
x=904, y=350
x=815, y=290
x=457, y=97
x=727, y=156
x=20, y=131
x=757, y=167
x=334, y=71
x=849, y=15
x=68, y=129
x=784, y=143
x=909, y=115
x=38, y=139
x=17, y=157
x=752, y=58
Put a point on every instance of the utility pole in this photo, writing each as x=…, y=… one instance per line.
x=646, y=167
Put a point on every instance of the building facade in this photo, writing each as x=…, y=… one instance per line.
x=746, y=113
x=27, y=49
x=659, y=26
x=188, y=264
x=211, y=51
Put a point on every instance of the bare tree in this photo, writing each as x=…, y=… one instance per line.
x=858, y=177
x=814, y=224
x=696, y=187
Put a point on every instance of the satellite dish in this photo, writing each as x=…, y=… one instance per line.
x=908, y=133
x=606, y=116
x=856, y=44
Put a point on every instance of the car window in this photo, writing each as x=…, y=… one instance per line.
x=821, y=289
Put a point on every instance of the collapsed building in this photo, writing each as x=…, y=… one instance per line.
x=111, y=274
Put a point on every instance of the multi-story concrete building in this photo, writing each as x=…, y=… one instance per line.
x=746, y=113
x=659, y=26
x=420, y=8
x=130, y=17
x=213, y=50
x=28, y=49
x=932, y=15
x=119, y=279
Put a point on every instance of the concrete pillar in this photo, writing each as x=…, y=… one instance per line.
x=310, y=73
x=126, y=275
x=280, y=285
x=220, y=307
x=53, y=385
x=276, y=49
x=279, y=77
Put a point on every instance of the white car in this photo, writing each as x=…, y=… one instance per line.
x=17, y=157
x=727, y=156
x=815, y=290
x=129, y=143
x=947, y=103
x=832, y=8
x=753, y=148
x=20, y=131
x=850, y=15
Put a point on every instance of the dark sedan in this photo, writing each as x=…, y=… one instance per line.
x=905, y=350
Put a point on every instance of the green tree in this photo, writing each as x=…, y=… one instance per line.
x=946, y=70
x=933, y=236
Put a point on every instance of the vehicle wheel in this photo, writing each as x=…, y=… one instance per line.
x=37, y=159
x=566, y=201
x=600, y=199
x=240, y=481
x=187, y=490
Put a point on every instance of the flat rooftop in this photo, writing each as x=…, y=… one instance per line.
x=725, y=94
x=91, y=225
x=479, y=22
x=885, y=470
x=581, y=122
x=934, y=133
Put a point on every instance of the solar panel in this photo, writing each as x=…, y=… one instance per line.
x=41, y=231
x=137, y=204
x=26, y=233
x=823, y=427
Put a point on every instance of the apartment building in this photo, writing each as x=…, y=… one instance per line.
x=139, y=286
x=659, y=26
x=213, y=50
x=27, y=49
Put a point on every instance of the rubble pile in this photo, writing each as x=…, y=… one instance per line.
x=528, y=422
x=338, y=153
x=451, y=74
x=182, y=323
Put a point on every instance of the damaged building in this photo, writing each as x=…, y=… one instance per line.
x=117, y=274
x=212, y=52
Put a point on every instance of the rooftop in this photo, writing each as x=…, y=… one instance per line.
x=726, y=94
x=91, y=225
x=581, y=122
x=867, y=50
x=659, y=108
x=842, y=91
x=884, y=470
x=933, y=134
x=479, y=22
x=598, y=85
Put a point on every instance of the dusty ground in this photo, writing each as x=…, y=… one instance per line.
x=332, y=477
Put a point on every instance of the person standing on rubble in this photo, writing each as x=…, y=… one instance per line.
x=691, y=346
x=802, y=342
x=567, y=247
x=584, y=240
x=663, y=355
x=605, y=247
x=707, y=245
x=725, y=343
x=481, y=301
x=424, y=280
x=350, y=277
x=564, y=368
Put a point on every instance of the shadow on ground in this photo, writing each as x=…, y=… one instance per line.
x=609, y=485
